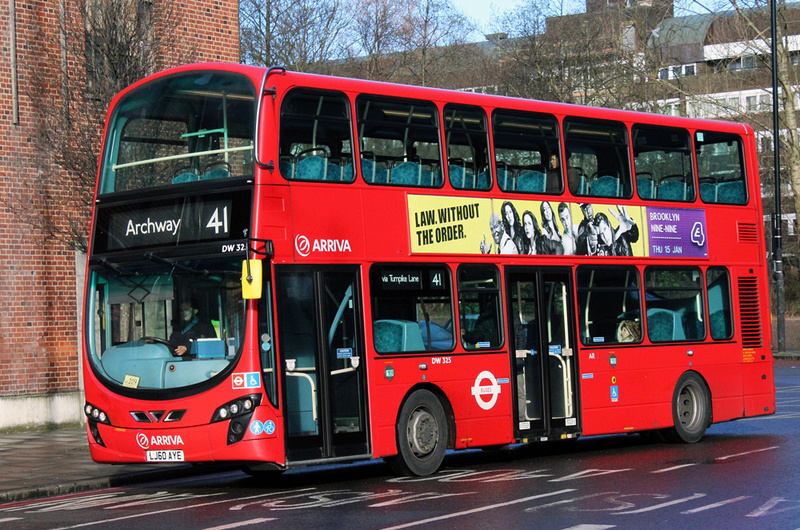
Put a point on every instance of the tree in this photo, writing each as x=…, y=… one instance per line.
x=104, y=46
x=303, y=35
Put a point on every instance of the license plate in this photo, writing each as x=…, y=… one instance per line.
x=165, y=456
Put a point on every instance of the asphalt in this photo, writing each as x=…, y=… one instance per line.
x=45, y=462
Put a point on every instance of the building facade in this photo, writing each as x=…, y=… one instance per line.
x=41, y=277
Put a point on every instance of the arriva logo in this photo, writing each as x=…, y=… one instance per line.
x=304, y=247
x=166, y=440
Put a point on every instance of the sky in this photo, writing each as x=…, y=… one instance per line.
x=482, y=10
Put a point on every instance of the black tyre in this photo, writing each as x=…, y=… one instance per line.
x=691, y=409
x=422, y=434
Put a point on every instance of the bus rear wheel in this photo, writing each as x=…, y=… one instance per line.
x=691, y=409
x=422, y=434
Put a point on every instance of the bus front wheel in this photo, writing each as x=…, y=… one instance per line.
x=421, y=435
x=691, y=409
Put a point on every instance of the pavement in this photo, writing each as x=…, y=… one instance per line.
x=41, y=462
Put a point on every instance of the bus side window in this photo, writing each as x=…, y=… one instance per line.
x=663, y=163
x=412, y=308
x=720, y=168
x=675, y=307
x=399, y=141
x=479, y=307
x=597, y=157
x=525, y=144
x=315, y=141
x=608, y=305
x=467, y=147
x=720, y=312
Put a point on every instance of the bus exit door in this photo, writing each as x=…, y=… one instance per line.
x=543, y=353
x=321, y=352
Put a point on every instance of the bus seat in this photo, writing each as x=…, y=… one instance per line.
x=720, y=324
x=645, y=187
x=532, y=181
x=311, y=168
x=664, y=325
x=583, y=187
x=340, y=172
x=605, y=186
x=372, y=172
x=216, y=173
x=407, y=173
x=396, y=336
x=672, y=190
x=287, y=169
x=188, y=176
x=708, y=191
x=731, y=192
x=484, y=180
x=457, y=176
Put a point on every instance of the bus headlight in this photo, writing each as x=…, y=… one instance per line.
x=94, y=416
x=239, y=412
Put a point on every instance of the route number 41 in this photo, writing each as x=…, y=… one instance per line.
x=218, y=224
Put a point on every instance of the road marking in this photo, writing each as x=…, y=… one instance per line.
x=673, y=468
x=662, y=505
x=478, y=510
x=748, y=452
x=716, y=505
x=9, y=519
x=242, y=523
x=592, y=527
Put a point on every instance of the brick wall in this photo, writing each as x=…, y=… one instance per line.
x=39, y=317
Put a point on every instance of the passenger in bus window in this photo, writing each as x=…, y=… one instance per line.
x=191, y=327
x=569, y=237
x=512, y=226
x=530, y=244
x=505, y=245
x=629, y=331
x=553, y=182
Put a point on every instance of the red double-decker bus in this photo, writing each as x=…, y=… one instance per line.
x=290, y=269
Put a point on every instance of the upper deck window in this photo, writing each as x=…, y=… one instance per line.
x=597, y=157
x=183, y=128
x=663, y=163
x=527, y=152
x=720, y=167
x=399, y=141
x=467, y=147
x=315, y=139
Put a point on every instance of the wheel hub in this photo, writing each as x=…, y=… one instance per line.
x=423, y=432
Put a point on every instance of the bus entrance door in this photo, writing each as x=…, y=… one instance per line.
x=324, y=382
x=543, y=353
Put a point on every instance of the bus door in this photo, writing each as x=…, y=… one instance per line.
x=543, y=352
x=321, y=350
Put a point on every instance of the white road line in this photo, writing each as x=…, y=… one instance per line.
x=716, y=505
x=241, y=524
x=167, y=510
x=748, y=452
x=662, y=505
x=673, y=468
x=9, y=519
x=592, y=527
x=478, y=510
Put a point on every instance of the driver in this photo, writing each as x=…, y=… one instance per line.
x=190, y=328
